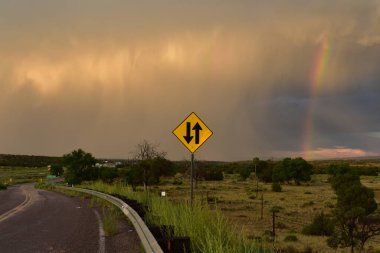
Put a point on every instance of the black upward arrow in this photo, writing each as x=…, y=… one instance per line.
x=188, y=136
x=197, y=128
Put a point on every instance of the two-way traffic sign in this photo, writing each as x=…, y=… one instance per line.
x=192, y=132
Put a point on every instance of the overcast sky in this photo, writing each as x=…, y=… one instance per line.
x=271, y=78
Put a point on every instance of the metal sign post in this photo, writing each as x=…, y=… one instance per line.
x=192, y=180
x=192, y=133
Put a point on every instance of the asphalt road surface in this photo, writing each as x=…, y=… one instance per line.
x=43, y=221
x=10, y=199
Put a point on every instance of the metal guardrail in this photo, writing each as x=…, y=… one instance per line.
x=150, y=244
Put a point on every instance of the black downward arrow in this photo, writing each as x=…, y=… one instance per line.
x=197, y=128
x=188, y=136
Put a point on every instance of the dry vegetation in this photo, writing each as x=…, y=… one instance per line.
x=298, y=205
x=13, y=175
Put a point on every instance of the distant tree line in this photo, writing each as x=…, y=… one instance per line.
x=28, y=160
x=288, y=170
x=149, y=164
x=361, y=170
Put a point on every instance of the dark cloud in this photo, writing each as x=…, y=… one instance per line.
x=104, y=75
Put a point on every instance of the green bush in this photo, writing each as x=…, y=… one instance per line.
x=276, y=187
x=108, y=174
x=3, y=186
x=56, y=170
x=245, y=172
x=321, y=225
x=291, y=238
x=213, y=174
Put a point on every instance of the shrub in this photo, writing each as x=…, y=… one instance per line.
x=3, y=186
x=56, y=170
x=178, y=178
x=108, y=174
x=321, y=225
x=213, y=174
x=245, y=172
x=291, y=238
x=276, y=187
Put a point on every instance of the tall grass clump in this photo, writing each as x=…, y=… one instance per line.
x=209, y=231
x=110, y=220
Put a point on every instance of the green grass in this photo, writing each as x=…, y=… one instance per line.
x=13, y=175
x=111, y=215
x=291, y=238
x=209, y=230
x=231, y=199
x=44, y=186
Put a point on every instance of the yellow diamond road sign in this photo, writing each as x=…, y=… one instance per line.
x=192, y=132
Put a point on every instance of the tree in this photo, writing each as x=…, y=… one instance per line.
x=321, y=225
x=264, y=169
x=245, y=172
x=145, y=155
x=56, y=170
x=289, y=169
x=300, y=170
x=132, y=175
x=355, y=204
x=108, y=174
x=281, y=171
x=79, y=166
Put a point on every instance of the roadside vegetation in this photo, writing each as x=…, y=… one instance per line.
x=208, y=229
x=110, y=215
x=289, y=205
x=3, y=186
x=14, y=175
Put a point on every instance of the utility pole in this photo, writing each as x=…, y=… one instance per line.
x=257, y=182
x=274, y=210
x=274, y=224
x=262, y=205
x=191, y=180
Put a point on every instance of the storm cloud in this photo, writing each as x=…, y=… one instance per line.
x=104, y=75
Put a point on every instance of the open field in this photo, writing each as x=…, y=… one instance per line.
x=13, y=175
x=298, y=205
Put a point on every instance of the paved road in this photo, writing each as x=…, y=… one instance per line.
x=43, y=221
x=10, y=199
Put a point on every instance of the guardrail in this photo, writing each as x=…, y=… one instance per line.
x=148, y=241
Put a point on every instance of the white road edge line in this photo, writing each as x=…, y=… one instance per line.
x=148, y=241
x=102, y=244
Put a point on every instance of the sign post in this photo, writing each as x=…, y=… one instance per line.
x=192, y=179
x=192, y=133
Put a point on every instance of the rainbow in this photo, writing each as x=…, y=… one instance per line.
x=317, y=78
